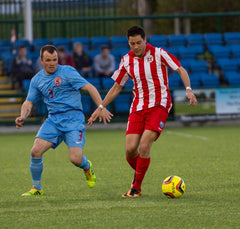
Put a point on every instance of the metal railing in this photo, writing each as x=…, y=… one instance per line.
x=91, y=18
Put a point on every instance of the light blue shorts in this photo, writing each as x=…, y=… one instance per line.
x=69, y=128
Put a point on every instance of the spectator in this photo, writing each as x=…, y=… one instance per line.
x=21, y=68
x=104, y=63
x=82, y=60
x=65, y=58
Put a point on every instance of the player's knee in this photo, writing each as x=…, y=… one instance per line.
x=76, y=160
x=35, y=152
x=131, y=151
x=144, y=149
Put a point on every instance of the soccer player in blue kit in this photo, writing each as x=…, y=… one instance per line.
x=60, y=88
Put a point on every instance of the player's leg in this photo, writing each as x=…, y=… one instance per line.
x=48, y=136
x=131, y=147
x=143, y=161
x=75, y=141
x=134, y=131
x=40, y=146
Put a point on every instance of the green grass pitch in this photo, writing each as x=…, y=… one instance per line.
x=207, y=158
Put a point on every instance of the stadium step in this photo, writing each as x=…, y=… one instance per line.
x=11, y=100
x=8, y=92
x=9, y=115
x=5, y=108
x=3, y=79
x=5, y=86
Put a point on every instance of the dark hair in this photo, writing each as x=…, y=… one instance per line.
x=22, y=47
x=49, y=48
x=104, y=47
x=136, y=30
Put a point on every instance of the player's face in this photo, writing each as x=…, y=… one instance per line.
x=137, y=45
x=50, y=62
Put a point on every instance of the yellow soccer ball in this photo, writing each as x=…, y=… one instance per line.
x=173, y=187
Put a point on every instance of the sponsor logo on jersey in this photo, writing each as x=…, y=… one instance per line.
x=57, y=81
x=161, y=125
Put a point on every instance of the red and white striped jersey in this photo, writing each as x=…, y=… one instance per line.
x=150, y=77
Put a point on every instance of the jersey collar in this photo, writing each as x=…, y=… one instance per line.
x=148, y=47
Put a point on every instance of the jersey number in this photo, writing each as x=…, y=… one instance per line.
x=50, y=93
x=80, y=135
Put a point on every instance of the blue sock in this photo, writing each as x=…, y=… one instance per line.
x=85, y=164
x=36, y=169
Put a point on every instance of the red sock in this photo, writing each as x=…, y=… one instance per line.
x=141, y=169
x=132, y=162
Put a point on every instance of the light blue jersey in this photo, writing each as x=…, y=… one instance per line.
x=61, y=93
x=60, y=90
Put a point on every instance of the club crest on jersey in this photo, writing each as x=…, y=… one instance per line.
x=150, y=58
x=57, y=81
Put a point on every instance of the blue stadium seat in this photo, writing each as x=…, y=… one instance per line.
x=177, y=40
x=235, y=49
x=195, y=39
x=191, y=52
x=226, y=64
x=231, y=38
x=93, y=53
x=34, y=57
x=107, y=83
x=97, y=42
x=175, y=81
x=119, y=42
x=122, y=103
x=219, y=51
x=62, y=41
x=85, y=41
x=198, y=66
x=40, y=42
x=26, y=84
x=5, y=45
x=7, y=57
x=213, y=39
x=195, y=80
x=233, y=78
x=87, y=104
x=41, y=108
x=95, y=82
x=173, y=50
x=210, y=80
x=118, y=53
x=186, y=64
x=158, y=40
x=128, y=85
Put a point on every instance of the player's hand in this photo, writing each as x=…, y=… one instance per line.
x=19, y=122
x=105, y=115
x=102, y=114
x=192, y=98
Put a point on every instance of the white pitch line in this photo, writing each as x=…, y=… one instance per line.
x=187, y=135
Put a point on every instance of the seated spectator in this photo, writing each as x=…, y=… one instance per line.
x=21, y=68
x=82, y=60
x=104, y=63
x=65, y=58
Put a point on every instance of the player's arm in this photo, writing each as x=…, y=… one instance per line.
x=186, y=81
x=111, y=95
x=25, y=112
x=105, y=115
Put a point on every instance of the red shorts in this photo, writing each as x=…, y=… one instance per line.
x=149, y=119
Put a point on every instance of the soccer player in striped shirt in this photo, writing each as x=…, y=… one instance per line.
x=147, y=67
